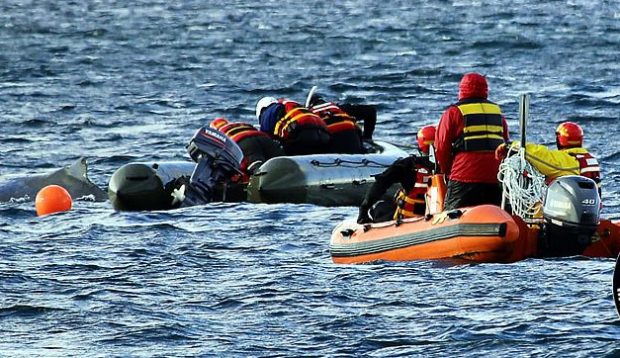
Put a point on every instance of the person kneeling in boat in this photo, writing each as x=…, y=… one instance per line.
x=571, y=158
x=346, y=136
x=298, y=129
x=413, y=173
x=257, y=146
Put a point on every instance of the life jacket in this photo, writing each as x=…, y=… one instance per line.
x=588, y=166
x=335, y=118
x=239, y=131
x=411, y=203
x=482, y=126
x=295, y=115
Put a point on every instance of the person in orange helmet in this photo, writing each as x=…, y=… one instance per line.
x=571, y=158
x=218, y=122
x=257, y=146
x=468, y=133
x=413, y=174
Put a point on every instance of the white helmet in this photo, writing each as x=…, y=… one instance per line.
x=264, y=103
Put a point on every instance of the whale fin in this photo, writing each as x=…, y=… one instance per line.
x=79, y=169
x=74, y=178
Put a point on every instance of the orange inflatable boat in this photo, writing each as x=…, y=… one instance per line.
x=487, y=233
x=484, y=233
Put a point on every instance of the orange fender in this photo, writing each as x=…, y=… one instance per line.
x=436, y=194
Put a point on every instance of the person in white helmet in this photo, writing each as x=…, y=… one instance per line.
x=298, y=129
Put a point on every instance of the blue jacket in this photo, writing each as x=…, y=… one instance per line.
x=270, y=116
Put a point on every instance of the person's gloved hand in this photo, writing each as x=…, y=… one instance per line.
x=362, y=217
x=501, y=151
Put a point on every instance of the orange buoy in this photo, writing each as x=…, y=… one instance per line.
x=52, y=199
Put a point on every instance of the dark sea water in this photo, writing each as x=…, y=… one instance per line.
x=120, y=81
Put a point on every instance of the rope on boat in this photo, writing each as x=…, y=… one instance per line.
x=350, y=163
x=523, y=185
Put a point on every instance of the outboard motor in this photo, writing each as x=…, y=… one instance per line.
x=218, y=158
x=571, y=216
x=146, y=186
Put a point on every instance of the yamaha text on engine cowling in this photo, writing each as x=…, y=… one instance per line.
x=217, y=159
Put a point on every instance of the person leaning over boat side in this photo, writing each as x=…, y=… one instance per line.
x=571, y=158
x=298, y=129
x=468, y=133
x=346, y=136
x=413, y=174
x=257, y=147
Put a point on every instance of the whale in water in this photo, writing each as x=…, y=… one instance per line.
x=73, y=178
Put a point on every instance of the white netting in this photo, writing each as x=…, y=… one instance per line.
x=523, y=185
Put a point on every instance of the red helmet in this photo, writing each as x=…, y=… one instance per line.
x=569, y=135
x=426, y=138
x=218, y=123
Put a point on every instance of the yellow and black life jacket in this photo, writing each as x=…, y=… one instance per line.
x=482, y=126
x=295, y=115
x=412, y=203
x=335, y=118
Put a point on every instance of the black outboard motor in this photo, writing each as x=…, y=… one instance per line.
x=146, y=186
x=218, y=158
x=571, y=216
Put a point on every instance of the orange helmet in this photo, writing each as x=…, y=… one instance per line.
x=218, y=123
x=569, y=135
x=426, y=138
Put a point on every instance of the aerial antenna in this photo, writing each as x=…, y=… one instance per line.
x=524, y=113
x=312, y=90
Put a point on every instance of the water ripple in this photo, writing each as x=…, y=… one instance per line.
x=119, y=82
